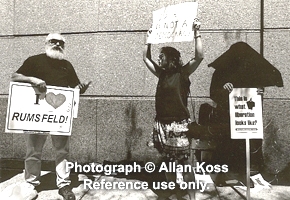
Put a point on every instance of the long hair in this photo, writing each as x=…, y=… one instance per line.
x=173, y=57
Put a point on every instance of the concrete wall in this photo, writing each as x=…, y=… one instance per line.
x=104, y=43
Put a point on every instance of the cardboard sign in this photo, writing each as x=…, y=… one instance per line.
x=246, y=114
x=30, y=111
x=173, y=23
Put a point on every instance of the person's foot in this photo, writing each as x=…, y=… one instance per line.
x=66, y=193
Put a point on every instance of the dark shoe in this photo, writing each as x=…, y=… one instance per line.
x=66, y=193
x=220, y=180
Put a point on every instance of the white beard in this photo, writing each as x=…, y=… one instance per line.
x=55, y=54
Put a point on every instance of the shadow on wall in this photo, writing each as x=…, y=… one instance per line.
x=134, y=134
x=275, y=148
x=231, y=38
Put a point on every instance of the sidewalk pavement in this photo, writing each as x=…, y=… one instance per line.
x=10, y=178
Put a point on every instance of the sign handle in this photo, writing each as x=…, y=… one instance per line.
x=248, y=167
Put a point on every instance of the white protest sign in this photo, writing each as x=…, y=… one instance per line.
x=173, y=23
x=30, y=111
x=246, y=114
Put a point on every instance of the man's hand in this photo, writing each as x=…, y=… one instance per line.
x=83, y=86
x=41, y=85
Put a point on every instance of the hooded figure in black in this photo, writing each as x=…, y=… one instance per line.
x=239, y=67
x=243, y=67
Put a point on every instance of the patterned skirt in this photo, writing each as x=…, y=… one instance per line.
x=170, y=139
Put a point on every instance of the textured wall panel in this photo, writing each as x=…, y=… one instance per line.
x=6, y=139
x=6, y=145
x=19, y=145
x=35, y=17
x=113, y=141
x=6, y=16
x=276, y=14
x=7, y=66
x=91, y=15
x=276, y=51
x=123, y=130
x=112, y=61
x=230, y=14
x=129, y=15
x=214, y=14
x=276, y=135
x=142, y=114
x=83, y=143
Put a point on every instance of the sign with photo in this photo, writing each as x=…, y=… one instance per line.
x=31, y=111
x=246, y=114
x=173, y=23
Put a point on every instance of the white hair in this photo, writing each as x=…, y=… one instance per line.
x=56, y=36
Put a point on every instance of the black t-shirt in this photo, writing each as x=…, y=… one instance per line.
x=54, y=72
x=171, y=97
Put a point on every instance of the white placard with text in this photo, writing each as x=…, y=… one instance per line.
x=173, y=23
x=246, y=114
x=30, y=111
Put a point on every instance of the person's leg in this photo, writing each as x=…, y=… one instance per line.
x=189, y=177
x=61, y=145
x=170, y=177
x=33, y=158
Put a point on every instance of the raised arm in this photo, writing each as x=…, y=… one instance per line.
x=151, y=65
x=192, y=65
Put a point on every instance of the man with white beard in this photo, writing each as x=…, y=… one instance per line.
x=49, y=68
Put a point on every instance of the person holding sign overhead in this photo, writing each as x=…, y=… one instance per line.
x=49, y=68
x=172, y=115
